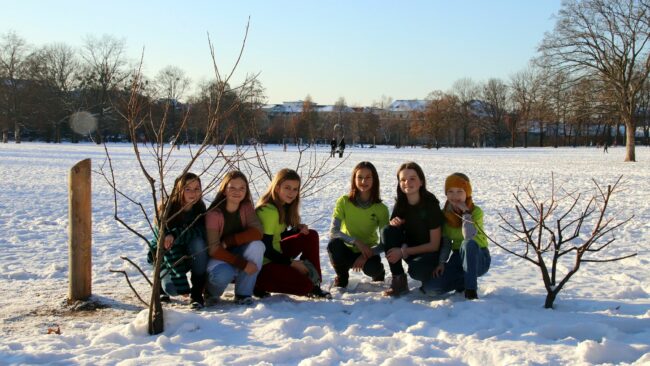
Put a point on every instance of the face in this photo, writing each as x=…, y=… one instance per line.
x=191, y=192
x=456, y=195
x=409, y=182
x=235, y=191
x=288, y=191
x=363, y=180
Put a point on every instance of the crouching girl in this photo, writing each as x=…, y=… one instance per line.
x=283, y=270
x=233, y=234
x=184, y=237
x=463, y=230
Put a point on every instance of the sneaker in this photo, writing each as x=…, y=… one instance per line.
x=165, y=298
x=340, y=281
x=318, y=293
x=243, y=300
x=471, y=294
x=398, y=286
x=260, y=294
x=195, y=305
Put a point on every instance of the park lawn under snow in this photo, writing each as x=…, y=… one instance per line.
x=602, y=316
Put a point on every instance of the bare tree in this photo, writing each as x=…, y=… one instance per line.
x=466, y=91
x=105, y=69
x=525, y=88
x=13, y=52
x=559, y=226
x=171, y=83
x=494, y=94
x=59, y=71
x=611, y=38
x=206, y=159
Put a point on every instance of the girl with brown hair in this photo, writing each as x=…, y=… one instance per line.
x=286, y=238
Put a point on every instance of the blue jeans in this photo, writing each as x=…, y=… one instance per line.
x=221, y=273
x=197, y=249
x=462, y=270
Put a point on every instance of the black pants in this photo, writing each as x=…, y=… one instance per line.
x=421, y=266
x=342, y=258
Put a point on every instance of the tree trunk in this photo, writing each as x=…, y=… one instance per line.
x=526, y=136
x=17, y=133
x=550, y=298
x=5, y=137
x=629, y=143
x=156, y=324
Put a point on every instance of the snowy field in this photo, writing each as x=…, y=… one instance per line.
x=601, y=317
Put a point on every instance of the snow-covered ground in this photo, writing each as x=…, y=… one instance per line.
x=602, y=316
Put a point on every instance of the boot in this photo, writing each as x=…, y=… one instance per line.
x=471, y=294
x=380, y=277
x=341, y=281
x=196, y=293
x=318, y=293
x=398, y=286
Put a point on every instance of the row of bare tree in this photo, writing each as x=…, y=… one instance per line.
x=591, y=73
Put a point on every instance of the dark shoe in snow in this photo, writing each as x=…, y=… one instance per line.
x=243, y=300
x=340, y=281
x=195, y=305
x=260, y=294
x=379, y=278
x=318, y=293
x=471, y=294
x=165, y=298
x=398, y=286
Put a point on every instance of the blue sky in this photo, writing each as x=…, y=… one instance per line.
x=359, y=50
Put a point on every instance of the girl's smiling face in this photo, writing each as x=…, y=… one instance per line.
x=288, y=191
x=191, y=192
x=235, y=191
x=363, y=180
x=409, y=182
x=456, y=196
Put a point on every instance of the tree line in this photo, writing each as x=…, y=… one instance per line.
x=588, y=85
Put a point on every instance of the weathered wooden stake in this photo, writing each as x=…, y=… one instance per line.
x=80, y=217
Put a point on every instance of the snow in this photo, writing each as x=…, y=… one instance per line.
x=602, y=316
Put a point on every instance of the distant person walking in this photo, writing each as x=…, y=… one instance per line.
x=333, y=146
x=341, y=147
x=605, y=148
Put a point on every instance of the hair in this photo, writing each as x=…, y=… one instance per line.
x=219, y=201
x=176, y=199
x=401, y=202
x=289, y=214
x=374, y=190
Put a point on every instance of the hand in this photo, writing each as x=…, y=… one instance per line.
x=396, y=221
x=439, y=270
x=250, y=268
x=303, y=229
x=168, y=242
x=365, y=250
x=461, y=207
x=394, y=255
x=358, y=264
x=300, y=266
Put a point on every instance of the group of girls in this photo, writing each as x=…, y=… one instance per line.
x=262, y=250
x=268, y=249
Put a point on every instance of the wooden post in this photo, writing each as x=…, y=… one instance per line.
x=80, y=217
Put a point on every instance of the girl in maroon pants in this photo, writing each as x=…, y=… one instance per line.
x=291, y=259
